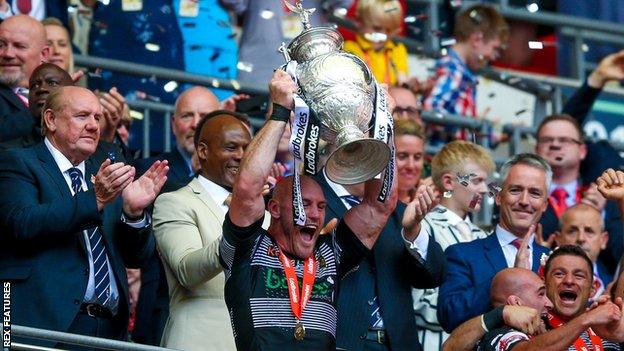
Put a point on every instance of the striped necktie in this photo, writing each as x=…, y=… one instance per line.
x=102, y=287
x=351, y=200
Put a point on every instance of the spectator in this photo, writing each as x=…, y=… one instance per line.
x=59, y=43
x=377, y=22
x=265, y=313
x=124, y=127
x=479, y=31
x=266, y=24
x=582, y=225
x=471, y=266
x=374, y=302
x=65, y=224
x=449, y=222
x=191, y=107
x=407, y=106
x=22, y=48
x=409, y=141
x=187, y=226
x=560, y=142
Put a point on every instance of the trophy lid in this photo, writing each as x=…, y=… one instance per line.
x=314, y=42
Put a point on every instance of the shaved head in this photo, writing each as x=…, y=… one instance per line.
x=23, y=47
x=510, y=281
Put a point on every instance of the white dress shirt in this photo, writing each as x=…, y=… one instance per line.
x=570, y=188
x=505, y=240
x=217, y=192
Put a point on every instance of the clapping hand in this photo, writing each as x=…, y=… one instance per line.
x=523, y=257
x=423, y=202
x=141, y=193
x=110, y=180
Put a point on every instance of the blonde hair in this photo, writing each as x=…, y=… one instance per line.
x=53, y=102
x=480, y=18
x=53, y=21
x=408, y=127
x=388, y=11
x=454, y=156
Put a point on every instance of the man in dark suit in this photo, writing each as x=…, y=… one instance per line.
x=560, y=142
x=192, y=105
x=66, y=233
x=375, y=301
x=471, y=266
x=22, y=48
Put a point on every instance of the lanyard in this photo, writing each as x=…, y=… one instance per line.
x=579, y=344
x=559, y=210
x=299, y=302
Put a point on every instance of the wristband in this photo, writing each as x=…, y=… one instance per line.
x=493, y=319
x=280, y=113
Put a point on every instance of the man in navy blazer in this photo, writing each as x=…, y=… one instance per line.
x=383, y=281
x=62, y=216
x=471, y=266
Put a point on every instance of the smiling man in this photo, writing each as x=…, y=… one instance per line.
x=22, y=48
x=472, y=265
x=187, y=225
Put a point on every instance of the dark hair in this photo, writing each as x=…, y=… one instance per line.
x=561, y=117
x=569, y=250
x=239, y=116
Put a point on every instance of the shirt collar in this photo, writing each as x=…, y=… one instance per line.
x=505, y=238
x=453, y=218
x=338, y=189
x=570, y=187
x=468, y=74
x=367, y=45
x=61, y=161
x=217, y=192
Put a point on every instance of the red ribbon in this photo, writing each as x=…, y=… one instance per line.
x=580, y=345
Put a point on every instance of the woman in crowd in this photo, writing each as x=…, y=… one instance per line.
x=460, y=171
x=409, y=142
x=60, y=44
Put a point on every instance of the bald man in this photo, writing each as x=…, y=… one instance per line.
x=22, y=48
x=190, y=107
x=189, y=223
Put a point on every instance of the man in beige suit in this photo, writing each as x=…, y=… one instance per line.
x=187, y=226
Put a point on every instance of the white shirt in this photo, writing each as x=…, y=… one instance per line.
x=217, y=192
x=420, y=244
x=570, y=188
x=37, y=11
x=505, y=240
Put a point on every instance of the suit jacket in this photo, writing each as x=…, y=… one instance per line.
x=42, y=249
x=471, y=267
x=187, y=226
x=15, y=119
x=178, y=175
x=610, y=256
x=390, y=273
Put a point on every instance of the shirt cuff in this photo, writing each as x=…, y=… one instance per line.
x=420, y=244
x=141, y=223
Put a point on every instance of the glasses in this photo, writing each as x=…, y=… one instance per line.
x=410, y=111
x=560, y=140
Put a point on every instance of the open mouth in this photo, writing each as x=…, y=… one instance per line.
x=568, y=297
x=307, y=232
x=233, y=169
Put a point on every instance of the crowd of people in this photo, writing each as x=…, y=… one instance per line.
x=199, y=249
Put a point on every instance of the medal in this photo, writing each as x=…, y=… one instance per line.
x=299, y=331
x=298, y=301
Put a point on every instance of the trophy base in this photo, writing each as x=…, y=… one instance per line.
x=357, y=161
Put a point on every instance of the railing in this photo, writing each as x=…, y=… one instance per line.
x=74, y=339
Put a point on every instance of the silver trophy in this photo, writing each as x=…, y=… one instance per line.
x=340, y=89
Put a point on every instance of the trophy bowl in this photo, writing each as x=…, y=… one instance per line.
x=340, y=89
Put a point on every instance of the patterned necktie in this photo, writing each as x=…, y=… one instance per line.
x=352, y=200
x=24, y=6
x=98, y=249
x=559, y=195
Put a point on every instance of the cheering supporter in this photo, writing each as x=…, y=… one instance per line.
x=472, y=265
x=71, y=222
x=582, y=225
x=560, y=142
x=377, y=22
x=22, y=48
x=187, y=226
x=410, y=157
x=479, y=31
x=460, y=170
x=59, y=42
